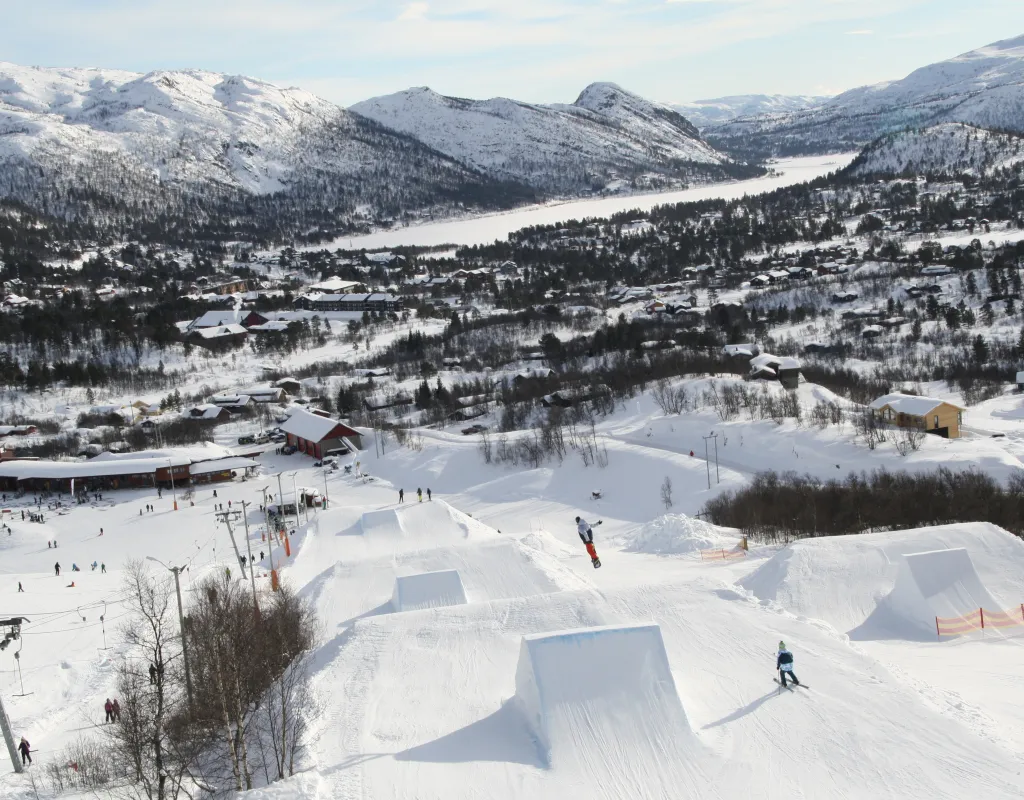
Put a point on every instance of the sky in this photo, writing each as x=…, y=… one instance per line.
x=532, y=50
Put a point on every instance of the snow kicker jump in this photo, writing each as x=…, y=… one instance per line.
x=938, y=583
x=428, y=590
x=603, y=699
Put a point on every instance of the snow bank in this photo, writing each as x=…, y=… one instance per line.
x=580, y=688
x=846, y=580
x=428, y=590
x=675, y=533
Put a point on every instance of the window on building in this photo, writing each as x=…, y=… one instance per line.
x=936, y=420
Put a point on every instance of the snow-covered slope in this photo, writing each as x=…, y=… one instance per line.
x=718, y=110
x=607, y=133
x=950, y=148
x=131, y=139
x=984, y=87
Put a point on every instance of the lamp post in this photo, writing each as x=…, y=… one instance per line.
x=174, y=495
x=181, y=622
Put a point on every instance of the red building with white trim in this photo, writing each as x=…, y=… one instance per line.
x=317, y=435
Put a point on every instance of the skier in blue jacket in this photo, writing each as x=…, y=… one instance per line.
x=784, y=664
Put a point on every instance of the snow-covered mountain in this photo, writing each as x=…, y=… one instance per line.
x=719, y=110
x=607, y=134
x=984, y=87
x=90, y=143
x=951, y=148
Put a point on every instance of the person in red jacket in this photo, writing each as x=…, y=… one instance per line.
x=109, y=708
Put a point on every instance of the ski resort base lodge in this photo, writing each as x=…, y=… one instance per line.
x=317, y=435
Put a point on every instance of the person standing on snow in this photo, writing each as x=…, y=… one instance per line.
x=430, y=494
x=587, y=535
x=401, y=495
x=56, y=568
x=108, y=707
x=784, y=664
x=419, y=494
x=26, y=751
x=115, y=710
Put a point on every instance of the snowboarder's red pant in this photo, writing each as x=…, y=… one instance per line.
x=591, y=550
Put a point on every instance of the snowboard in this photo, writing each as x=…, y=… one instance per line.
x=597, y=563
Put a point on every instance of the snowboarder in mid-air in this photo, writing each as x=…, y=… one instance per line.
x=587, y=535
x=784, y=664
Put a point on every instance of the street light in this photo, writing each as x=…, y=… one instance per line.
x=181, y=621
x=174, y=495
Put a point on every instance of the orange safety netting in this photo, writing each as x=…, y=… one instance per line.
x=721, y=555
x=979, y=620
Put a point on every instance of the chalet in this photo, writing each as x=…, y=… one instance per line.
x=759, y=281
x=872, y=331
x=936, y=269
x=289, y=385
x=215, y=338
x=264, y=394
x=235, y=403
x=921, y=413
x=208, y=412
x=824, y=349
x=784, y=369
x=728, y=313
x=232, y=285
x=844, y=297
x=237, y=316
x=317, y=435
x=538, y=374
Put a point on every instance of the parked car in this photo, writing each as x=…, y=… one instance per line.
x=288, y=449
x=262, y=438
x=473, y=429
x=278, y=437
x=247, y=440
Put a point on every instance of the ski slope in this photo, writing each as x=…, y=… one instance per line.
x=648, y=678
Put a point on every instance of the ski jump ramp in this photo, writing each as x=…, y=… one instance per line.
x=938, y=583
x=590, y=692
x=428, y=590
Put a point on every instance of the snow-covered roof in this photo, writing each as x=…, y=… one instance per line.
x=223, y=330
x=214, y=319
x=309, y=426
x=206, y=467
x=915, y=405
x=768, y=362
x=64, y=470
x=333, y=285
x=271, y=326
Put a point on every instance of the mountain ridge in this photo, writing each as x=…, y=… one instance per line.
x=982, y=87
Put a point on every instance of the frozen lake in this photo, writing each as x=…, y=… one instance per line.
x=486, y=228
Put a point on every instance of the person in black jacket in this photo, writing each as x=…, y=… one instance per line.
x=784, y=664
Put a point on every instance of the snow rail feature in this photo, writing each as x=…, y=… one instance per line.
x=979, y=620
x=722, y=555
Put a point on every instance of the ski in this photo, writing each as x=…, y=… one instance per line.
x=790, y=686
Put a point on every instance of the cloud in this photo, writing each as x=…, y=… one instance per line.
x=862, y=32
x=414, y=11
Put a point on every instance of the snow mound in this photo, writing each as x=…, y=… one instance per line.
x=675, y=533
x=939, y=583
x=428, y=590
x=582, y=689
x=847, y=580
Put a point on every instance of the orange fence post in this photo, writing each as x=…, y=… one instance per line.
x=938, y=635
x=981, y=611
x=287, y=547
x=273, y=580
